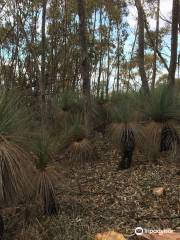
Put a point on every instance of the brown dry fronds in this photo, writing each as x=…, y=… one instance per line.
x=15, y=168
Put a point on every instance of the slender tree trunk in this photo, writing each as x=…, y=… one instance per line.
x=43, y=62
x=156, y=46
x=108, y=67
x=152, y=44
x=132, y=52
x=100, y=57
x=118, y=57
x=64, y=73
x=174, y=42
x=93, y=39
x=85, y=63
x=142, y=72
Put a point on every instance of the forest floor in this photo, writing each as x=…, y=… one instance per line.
x=96, y=197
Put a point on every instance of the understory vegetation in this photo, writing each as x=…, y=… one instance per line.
x=89, y=118
x=134, y=122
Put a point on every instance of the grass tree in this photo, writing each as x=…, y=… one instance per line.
x=80, y=146
x=47, y=176
x=15, y=163
x=126, y=133
x=162, y=110
x=63, y=106
x=68, y=101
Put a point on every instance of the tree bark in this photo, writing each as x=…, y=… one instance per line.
x=43, y=62
x=174, y=42
x=85, y=64
x=108, y=56
x=100, y=57
x=156, y=46
x=118, y=58
x=141, y=63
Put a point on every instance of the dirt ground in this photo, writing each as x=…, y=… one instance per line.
x=123, y=200
x=95, y=197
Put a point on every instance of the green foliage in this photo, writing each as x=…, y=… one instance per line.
x=161, y=105
x=42, y=151
x=68, y=101
x=15, y=164
x=74, y=128
x=47, y=175
x=15, y=119
x=122, y=107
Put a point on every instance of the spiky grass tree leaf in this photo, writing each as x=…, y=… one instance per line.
x=75, y=140
x=47, y=175
x=73, y=129
x=162, y=108
x=123, y=107
x=15, y=169
x=161, y=105
x=99, y=114
x=15, y=163
x=68, y=101
x=64, y=106
x=15, y=118
x=45, y=146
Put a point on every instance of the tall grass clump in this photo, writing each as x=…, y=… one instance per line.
x=125, y=131
x=15, y=162
x=47, y=173
x=162, y=110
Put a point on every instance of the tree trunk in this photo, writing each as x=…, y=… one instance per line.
x=43, y=62
x=142, y=72
x=100, y=58
x=174, y=42
x=156, y=46
x=108, y=55
x=152, y=44
x=118, y=58
x=85, y=64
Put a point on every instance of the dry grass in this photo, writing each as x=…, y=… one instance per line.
x=15, y=168
x=81, y=151
x=153, y=132
x=46, y=181
x=117, y=131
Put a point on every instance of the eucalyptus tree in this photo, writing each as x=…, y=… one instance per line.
x=85, y=62
x=174, y=41
x=141, y=46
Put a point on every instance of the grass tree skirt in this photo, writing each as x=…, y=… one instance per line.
x=168, y=138
x=50, y=205
x=1, y=227
x=128, y=146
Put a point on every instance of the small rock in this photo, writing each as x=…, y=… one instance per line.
x=158, y=191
